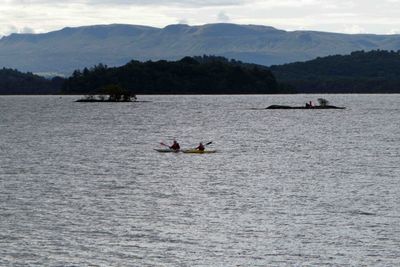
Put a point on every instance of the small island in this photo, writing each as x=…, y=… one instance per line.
x=110, y=93
x=323, y=104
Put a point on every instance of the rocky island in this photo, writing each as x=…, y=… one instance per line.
x=323, y=104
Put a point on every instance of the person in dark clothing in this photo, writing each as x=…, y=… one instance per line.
x=200, y=147
x=175, y=146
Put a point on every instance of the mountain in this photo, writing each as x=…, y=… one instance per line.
x=72, y=48
x=360, y=72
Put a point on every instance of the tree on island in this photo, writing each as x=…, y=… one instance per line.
x=323, y=102
x=115, y=93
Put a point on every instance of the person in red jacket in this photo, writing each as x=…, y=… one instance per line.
x=200, y=147
x=175, y=146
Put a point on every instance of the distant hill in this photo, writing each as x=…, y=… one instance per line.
x=200, y=75
x=71, y=48
x=15, y=82
x=360, y=72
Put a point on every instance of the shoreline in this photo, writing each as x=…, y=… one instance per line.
x=244, y=94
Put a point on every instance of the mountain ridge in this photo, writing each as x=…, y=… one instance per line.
x=71, y=48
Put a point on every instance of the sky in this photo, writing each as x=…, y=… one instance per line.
x=351, y=16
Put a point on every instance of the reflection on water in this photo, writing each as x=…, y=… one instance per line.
x=80, y=184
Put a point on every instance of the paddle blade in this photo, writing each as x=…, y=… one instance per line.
x=209, y=143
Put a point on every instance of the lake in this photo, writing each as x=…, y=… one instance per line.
x=81, y=183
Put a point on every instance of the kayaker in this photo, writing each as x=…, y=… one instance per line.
x=200, y=147
x=175, y=146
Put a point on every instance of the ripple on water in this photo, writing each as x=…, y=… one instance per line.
x=82, y=186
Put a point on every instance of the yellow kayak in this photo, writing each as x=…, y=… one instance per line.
x=196, y=151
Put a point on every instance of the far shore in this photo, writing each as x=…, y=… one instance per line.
x=73, y=95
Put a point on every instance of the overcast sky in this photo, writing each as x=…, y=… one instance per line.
x=357, y=16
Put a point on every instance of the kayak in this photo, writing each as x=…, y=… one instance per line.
x=188, y=151
x=196, y=151
x=167, y=150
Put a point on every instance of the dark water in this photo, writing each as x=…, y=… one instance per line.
x=80, y=183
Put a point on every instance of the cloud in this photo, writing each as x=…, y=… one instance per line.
x=27, y=30
x=183, y=21
x=394, y=31
x=223, y=17
x=184, y=3
x=354, y=29
x=14, y=29
x=323, y=15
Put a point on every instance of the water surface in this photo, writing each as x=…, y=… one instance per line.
x=80, y=183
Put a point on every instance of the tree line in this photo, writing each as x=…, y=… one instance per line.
x=376, y=71
x=15, y=82
x=190, y=75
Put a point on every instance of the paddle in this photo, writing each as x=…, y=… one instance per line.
x=164, y=144
x=170, y=147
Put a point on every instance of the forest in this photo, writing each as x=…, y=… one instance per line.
x=190, y=75
x=15, y=82
x=375, y=71
x=360, y=72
